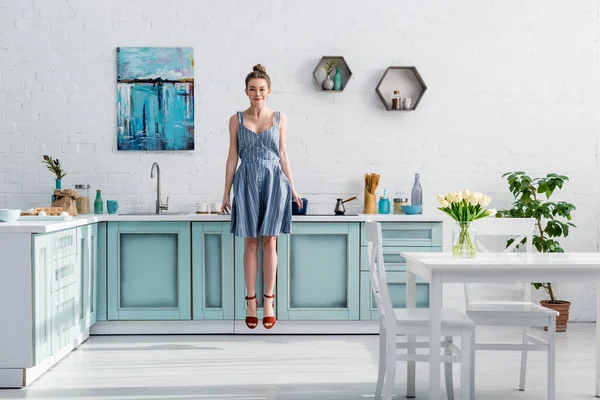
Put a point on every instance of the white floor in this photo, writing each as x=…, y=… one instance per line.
x=288, y=368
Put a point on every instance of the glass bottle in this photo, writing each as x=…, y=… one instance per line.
x=417, y=194
x=396, y=100
x=98, y=205
x=337, y=80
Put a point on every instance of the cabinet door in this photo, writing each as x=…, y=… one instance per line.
x=102, y=273
x=212, y=271
x=65, y=316
x=87, y=261
x=149, y=271
x=318, y=278
x=42, y=265
x=397, y=289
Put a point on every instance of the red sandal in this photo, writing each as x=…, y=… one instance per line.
x=269, y=322
x=252, y=322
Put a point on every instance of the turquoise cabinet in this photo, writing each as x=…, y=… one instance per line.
x=149, y=271
x=101, y=274
x=87, y=237
x=212, y=271
x=318, y=275
x=397, y=237
x=240, y=284
x=42, y=261
x=397, y=290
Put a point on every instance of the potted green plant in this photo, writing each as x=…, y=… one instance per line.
x=552, y=223
x=328, y=82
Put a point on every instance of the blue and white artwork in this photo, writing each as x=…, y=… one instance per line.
x=155, y=98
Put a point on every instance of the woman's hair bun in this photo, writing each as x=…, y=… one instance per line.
x=260, y=68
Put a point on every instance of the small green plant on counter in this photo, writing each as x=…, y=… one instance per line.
x=528, y=193
x=54, y=166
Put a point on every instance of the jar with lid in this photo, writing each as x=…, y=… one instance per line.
x=398, y=203
x=396, y=100
x=82, y=203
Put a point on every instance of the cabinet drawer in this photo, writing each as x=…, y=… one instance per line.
x=413, y=234
x=64, y=243
x=391, y=256
x=397, y=290
x=64, y=272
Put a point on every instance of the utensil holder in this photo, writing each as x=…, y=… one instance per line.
x=370, y=203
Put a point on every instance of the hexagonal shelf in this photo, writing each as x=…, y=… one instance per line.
x=320, y=74
x=405, y=79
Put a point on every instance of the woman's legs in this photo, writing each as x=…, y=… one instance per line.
x=250, y=270
x=269, y=244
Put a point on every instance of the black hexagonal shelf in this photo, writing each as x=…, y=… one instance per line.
x=320, y=74
x=407, y=80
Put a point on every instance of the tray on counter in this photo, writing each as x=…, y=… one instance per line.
x=45, y=218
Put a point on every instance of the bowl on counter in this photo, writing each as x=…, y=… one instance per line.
x=411, y=209
x=300, y=211
x=8, y=215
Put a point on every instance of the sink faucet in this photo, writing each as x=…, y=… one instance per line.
x=159, y=205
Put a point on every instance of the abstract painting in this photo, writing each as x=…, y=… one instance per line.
x=155, y=98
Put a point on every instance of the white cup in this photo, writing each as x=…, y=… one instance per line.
x=202, y=208
x=407, y=102
x=216, y=208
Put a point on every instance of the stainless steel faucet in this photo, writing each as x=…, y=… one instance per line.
x=159, y=205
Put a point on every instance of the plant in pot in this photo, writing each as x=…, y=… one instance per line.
x=552, y=223
x=328, y=82
x=55, y=167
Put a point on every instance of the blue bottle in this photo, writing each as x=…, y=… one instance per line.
x=337, y=80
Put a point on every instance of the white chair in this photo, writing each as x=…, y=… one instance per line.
x=414, y=322
x=498, y=310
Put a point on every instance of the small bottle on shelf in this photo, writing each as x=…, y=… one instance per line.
x=396, y=100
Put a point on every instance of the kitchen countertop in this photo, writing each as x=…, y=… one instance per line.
x=52, y=226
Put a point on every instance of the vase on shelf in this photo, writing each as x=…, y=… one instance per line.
x=337, y=79
x=464, y=238
x=327, y=83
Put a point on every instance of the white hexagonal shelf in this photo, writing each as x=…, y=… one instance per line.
x=407, y=81
x=320, y=74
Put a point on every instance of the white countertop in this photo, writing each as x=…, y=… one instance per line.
x=52, y=226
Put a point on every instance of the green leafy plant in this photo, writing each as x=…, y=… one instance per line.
x=54, y=166
x=552, y=217
x=329, y=67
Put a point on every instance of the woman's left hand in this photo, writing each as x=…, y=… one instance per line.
x=296, y=198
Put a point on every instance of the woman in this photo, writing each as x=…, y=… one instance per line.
x=262, y=186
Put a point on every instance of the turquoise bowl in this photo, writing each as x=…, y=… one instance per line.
x=411, y=210
x=7, y=215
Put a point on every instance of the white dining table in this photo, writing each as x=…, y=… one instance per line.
x=441, y=268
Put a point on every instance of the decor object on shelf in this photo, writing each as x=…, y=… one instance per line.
x=406, y=80
x=321, y=72
x=337, y=80
x=155, y=98
x=528, y=203
x=465, y=207
x=396, y=100
x=328, y=82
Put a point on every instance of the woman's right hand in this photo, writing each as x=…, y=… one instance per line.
x=225, y=205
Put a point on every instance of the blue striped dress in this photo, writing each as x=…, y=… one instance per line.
x=262, y=202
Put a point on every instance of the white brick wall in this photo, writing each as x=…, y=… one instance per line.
x=512, y=85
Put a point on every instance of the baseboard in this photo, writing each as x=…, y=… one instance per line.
x=232, y=327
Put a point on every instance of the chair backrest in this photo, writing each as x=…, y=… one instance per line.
x=378, y=276
x=520, y=230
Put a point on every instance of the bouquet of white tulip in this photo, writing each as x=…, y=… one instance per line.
x=465, y=207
